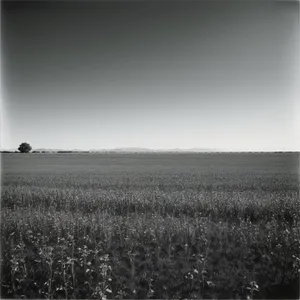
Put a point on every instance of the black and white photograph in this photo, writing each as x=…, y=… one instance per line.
x=150, y=149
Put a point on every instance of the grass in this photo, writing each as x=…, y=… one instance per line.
x=150, y=226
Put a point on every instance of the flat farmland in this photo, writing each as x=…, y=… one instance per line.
x=116, y=226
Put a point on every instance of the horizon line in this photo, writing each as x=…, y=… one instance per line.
x=143, y=150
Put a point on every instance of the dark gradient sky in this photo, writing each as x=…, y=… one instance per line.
x=215, y=75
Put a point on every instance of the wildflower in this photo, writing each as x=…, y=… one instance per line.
x=253, y=286
x=209, y=283
x=189, y=276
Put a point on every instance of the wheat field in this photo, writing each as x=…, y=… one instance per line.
x=140, y=226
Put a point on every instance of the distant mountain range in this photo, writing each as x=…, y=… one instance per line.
x=142, y=150
x=121, y=150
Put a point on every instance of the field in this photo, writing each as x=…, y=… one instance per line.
x=116, y=226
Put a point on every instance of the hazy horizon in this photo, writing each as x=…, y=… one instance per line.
x=220, y=75
x=150, y=150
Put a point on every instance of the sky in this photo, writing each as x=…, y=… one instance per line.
x=219, y=75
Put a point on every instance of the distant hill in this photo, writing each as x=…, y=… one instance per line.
x=147, y=150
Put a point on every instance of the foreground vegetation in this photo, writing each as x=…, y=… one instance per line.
x=150, y=226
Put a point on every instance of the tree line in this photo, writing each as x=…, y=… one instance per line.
x=26, y=148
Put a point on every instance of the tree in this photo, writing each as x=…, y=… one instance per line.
x=24, y=148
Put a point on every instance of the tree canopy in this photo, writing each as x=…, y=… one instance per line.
x=24, y=148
